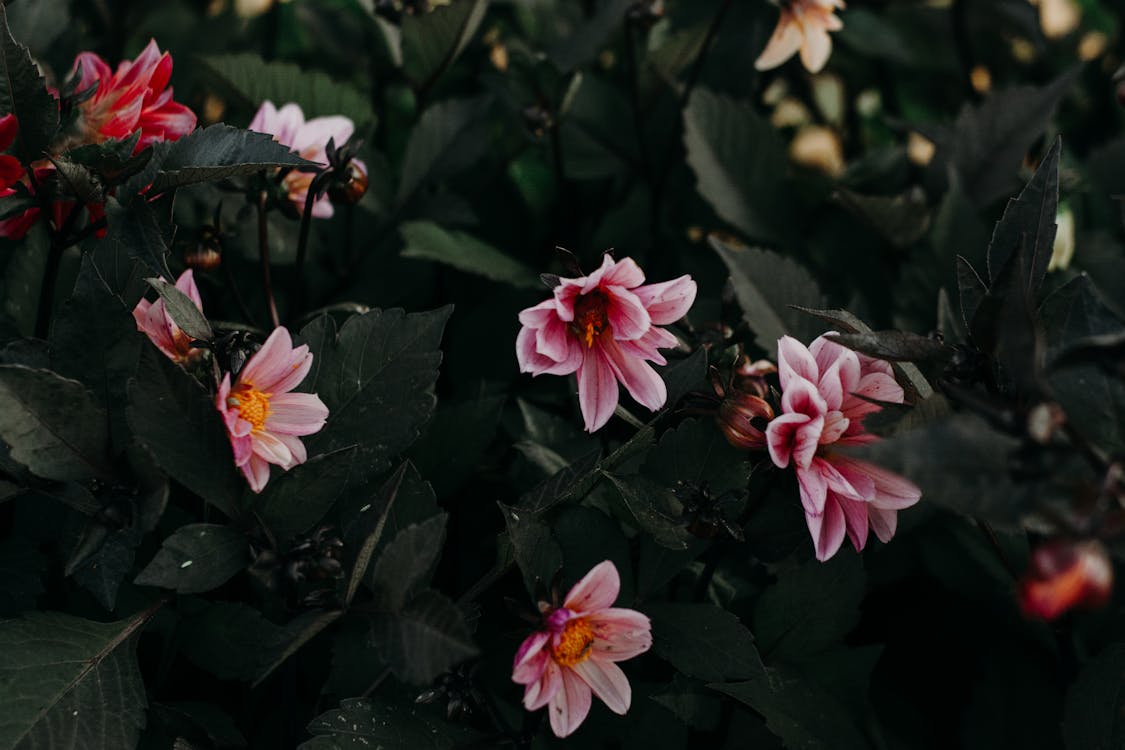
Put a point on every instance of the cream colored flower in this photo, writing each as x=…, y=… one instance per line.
x=803, y=27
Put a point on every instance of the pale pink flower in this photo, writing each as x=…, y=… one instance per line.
x=135, y=97
x=264, y=420
x=803, y=27
x=605, y=327
x=154, y=321
x=310, y=140
x=823, y=404
x=573, y=656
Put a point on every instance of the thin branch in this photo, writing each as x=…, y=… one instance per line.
x=264, y=257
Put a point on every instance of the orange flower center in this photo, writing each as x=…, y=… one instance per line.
x=590, y=317
x=253, y=405
x=574, y=643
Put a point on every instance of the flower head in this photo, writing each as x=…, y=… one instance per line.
x=11, y=174
x=573, y=655
x=310, y=140
x=264, y=420
x=135, y=97
x=605, y=327
x=803, y=27
x=825, y=397
x=1065, y=575
x=154, y=321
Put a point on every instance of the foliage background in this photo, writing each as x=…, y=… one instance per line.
x=494, y=132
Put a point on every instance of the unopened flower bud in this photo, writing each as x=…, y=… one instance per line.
x=205, y=256
x=743, y=418
x=351, y=189
x=750, y=377
x=1043, y=421
x=1065, y=575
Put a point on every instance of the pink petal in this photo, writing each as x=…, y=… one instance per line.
x=537, y=316
x=553, y=339
x=828, y=530
x=644, y=385
x=627, y=316
x=272, y=358
x=794, y=363
x=539, y=693
x=257, y=473
x=529, y=663
x=783, y=44
x=587, y=284
x=892, y=492
x=271, y=449
x=813, y=487
x=624, y=272
x=530, y=360
x=780, y=436
x=839, y=378
x=608, y=683
x=598, y=589
x=186, y=284
x=297, y=451
x=667, y=301
x=855, y=519
x=619, y=633
x=817, y=47
x=841, y=484
x=296, y=414
x=597, y=389
x=570, y=705
x=318, y=131
x=883, y=522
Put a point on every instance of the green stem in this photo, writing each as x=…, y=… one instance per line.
x=264, y=257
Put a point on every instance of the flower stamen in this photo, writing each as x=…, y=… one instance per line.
x=253, y=405
x=574, y=643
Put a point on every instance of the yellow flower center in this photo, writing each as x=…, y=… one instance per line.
x=574, y=643
x=253, y=405
x=590, y=317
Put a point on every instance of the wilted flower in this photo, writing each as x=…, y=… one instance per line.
x=1065, y=575
x=264, y=420
x=154, y=321
x=136, y=97
x=310, y=140
x=825, y=392
x=574, y=654
x=803, y=27
x=743, y=418
x=605, y=327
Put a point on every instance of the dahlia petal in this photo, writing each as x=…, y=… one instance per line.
x=608, y=682
x=257, y=473
x=855, y=520
x=552, y=340
x=597, y=389
x=644, y=385
x=783, y=44
x=186, y=284
x=589, y=283
x=598, y=589
x=271, y=449
x=265, y=119
x=840, y=483
x=619, y=633
x=10, y=169
x=296, y=414
x=828, y=530
x=297, y=451
x=570, y=704
x=627, y=316
x=667, y=301
x=892, y=492
x=539, y=693
x=813, y=487
x=780, y=437
x=624, y=272
x=883, y=522
x=527, y=666
x=316, y=133
x=795, y=362
x=539, y=315
x=817, y=47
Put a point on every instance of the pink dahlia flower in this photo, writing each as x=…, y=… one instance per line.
x=803, y=27
x=136, y=97
x=265, y=421
x=154, y=321
x=605, y=327
x=823, y=404
x=310, y=140
x=573, y=656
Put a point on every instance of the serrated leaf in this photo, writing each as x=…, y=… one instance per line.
x=739, y=163
x=537, y=553
x=289, y=640
x=176, y=420
x=363, y=724
x=972, y=290
x=407, y=561
x=134, y=234
x=652, y=506
x=51, y=424
x=428, y=637
x=69, y=682
x=183, y=311
x=367, y=531
x=683, y=377
x=768, y=286
x=901, y=219
x=291, y=503
x=253, y=80
x=432, y=41
x=23, y=92
x=704, y=641
x=427, y=241
x=196, y=558
x=810, y=608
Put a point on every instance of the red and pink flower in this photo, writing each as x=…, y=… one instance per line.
x=1065, y=575
x=264, y=420
x=803, y=27
x=825, y=392
x=606, y=328
x=310, y=140
x=575, y=655
x=135, y=97
x=154, y=321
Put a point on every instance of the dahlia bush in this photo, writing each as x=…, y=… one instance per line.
x=433, y=374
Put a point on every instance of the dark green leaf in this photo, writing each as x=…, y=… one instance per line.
x=569, y=482
x=692, y=704
x=464, y=252
x=455, y=440
x=253, y=80
x=537, y=553
x=972, y=290
x=291, y=503
x=134, y=233
x=654, y=508
x=407, y=561
x=1095, y=704
x=425, y=639
x=52, y=425
x=289, y=639
x=896, y=346
x=69, y=682
x=196, y=558
x=704, y=641
x=901, y=219
x=685, y=376
x=361, y=724
x=38, y=23
x=739, y=163
x=177, y=421
x=23, y=93
x=432, y=41
x=183, y=311
x=377, y=379
x=767, y=285
x=364, y=532
x=449, y=136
